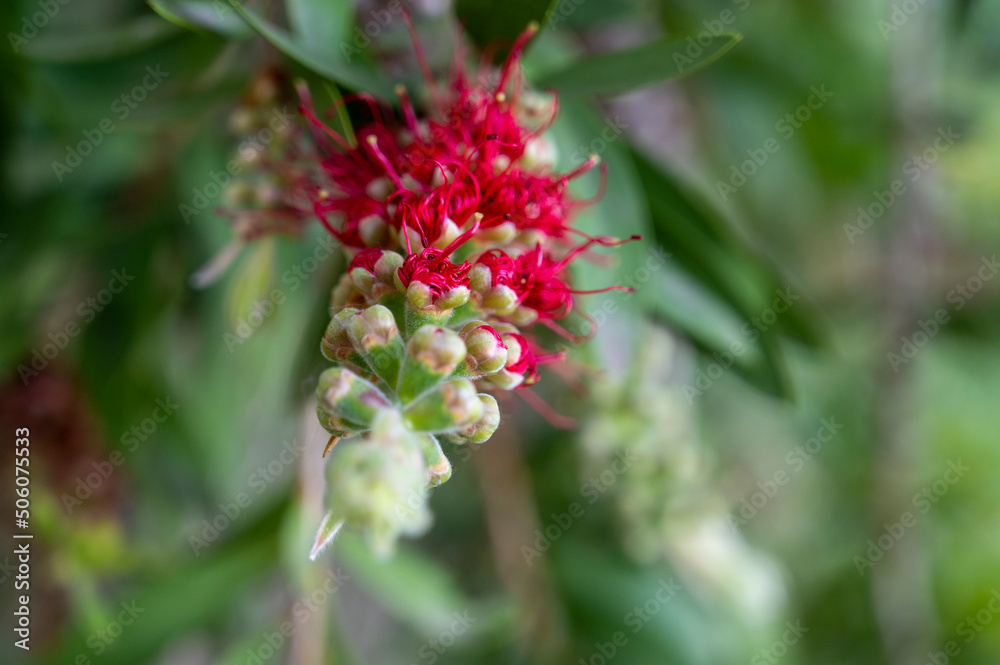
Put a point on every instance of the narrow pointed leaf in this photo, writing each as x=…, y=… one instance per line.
x=621, y=71
x=328, y=530
x=202, y=16
x=356, y=77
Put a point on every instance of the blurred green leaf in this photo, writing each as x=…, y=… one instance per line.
x=189, y=597
x=707, y=248
x=252, y=282
x=84, y=46
x=621, y=71
x=416, y=589
x=587, y=15
x=356, y=77
x=717, y=255
x=321, y=26
x=497, y=23
x=202, y=16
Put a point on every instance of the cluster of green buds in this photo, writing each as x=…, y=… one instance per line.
x=641, y=444
x=396, y=392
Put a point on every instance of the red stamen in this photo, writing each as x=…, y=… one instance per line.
x=515, y=54
x=372, y=142
x=425, y=68
x=550, y=415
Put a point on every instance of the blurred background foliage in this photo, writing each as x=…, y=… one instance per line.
x=779, y=553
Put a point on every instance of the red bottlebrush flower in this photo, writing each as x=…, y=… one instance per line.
x=533, y=202
x=536, y=278
x=437, y=217
x=433, y=268
x=431, y=279
x=358, y=182
x=474, y=143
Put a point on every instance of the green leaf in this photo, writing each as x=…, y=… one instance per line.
x=356, y=77
x=85, y=46
x=188, y=597
x=252, y=282
x=499, y=22
x=321, y=26
x=705, y=244
x=707, y=248
x=621, y=71
x=414, y=588
x=202, y=17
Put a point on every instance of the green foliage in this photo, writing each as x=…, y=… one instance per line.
x=629, y=69
x=493, y=23
x=243, y=428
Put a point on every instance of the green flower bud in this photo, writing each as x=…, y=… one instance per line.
x=348, y=396
x=363, y=279
x=336, y=345
x=374, y=334
x=433, y=353
x=438, y=466
x=483, y=428
x=373, y=230
x=377, y=484
x=449, y=232
x=385, y=267
x=331, y=422
x=419, y=295
x=501, y=299
x=480, y=278
x=451, y=405
x=430, y=316
x=523, y=316
x=501, y=234
x=345, y=293
x=486, y=351
x=453, y=298
x=506, y=379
